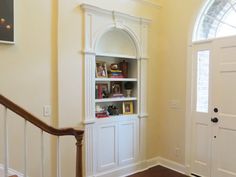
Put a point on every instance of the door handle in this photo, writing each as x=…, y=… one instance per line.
x=215, y=120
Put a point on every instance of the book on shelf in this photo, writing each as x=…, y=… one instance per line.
x=117, y=95
x=101, y=91
x=101, y=114
x=115, y=76
x=96, y=91
x=115, y=73
x=124, y=68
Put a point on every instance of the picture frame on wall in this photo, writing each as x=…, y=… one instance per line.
x=7, y=21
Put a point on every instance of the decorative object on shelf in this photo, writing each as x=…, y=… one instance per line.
x=116, y=89
x=102, y=91
x=6, y=21
x=113, y=110
x=101, y=70
x=101, y=112
x=115, y=71
x=128, y=107
x=128, y=88
x=124, y=68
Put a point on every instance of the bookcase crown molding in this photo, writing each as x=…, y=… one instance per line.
x=99, y=21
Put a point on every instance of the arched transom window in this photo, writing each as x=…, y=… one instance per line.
x=218, y=19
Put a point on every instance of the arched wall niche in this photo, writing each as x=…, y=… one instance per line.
x=116, y=41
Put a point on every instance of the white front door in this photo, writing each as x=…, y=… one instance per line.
x=214, y=111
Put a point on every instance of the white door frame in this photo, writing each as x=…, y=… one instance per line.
x=189, y=84
x=189, y=104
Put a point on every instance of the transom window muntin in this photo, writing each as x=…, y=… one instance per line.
x=217, y=20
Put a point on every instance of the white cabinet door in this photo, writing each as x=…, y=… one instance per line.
x=128, y=142
x=117, y=143
x=107, y=142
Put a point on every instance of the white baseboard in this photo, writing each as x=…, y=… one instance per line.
x=142, y=166
x=124, y=171
x=172, y=165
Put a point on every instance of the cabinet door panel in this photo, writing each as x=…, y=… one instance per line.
x=127, y=142
x=107, y=146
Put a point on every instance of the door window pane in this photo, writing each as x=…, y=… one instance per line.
x=202, y=81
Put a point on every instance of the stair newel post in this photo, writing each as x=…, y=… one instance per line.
x=79, y=171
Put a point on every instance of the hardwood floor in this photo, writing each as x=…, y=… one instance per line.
x=158, y=171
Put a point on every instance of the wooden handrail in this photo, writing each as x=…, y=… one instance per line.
x=78, y=134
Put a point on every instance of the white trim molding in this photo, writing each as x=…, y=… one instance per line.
x=89, y=121
x=115, y=13
x=142, y=166
x=147, y=2
x=143, y=116
x=172, y=165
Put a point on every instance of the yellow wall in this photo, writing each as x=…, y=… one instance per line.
x=50, y=34
x=177, y=20
x=25, y=77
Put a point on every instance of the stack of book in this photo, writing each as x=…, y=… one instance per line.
x=102, y=114
x=101, y=91
x=117, y=95
x=115, y=73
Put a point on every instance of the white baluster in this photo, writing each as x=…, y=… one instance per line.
x=25, y=148
x=6, y=155
x=58, y=158
x=42, y=154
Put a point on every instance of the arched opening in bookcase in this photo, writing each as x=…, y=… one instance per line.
x=118, y=42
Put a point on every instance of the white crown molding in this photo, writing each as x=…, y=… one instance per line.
x=114, y=12
x=147, y=2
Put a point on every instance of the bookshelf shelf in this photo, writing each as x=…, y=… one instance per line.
x=116, y=79
x=120, y=99
x=113, y=55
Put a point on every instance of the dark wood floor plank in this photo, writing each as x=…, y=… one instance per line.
x=158, y=171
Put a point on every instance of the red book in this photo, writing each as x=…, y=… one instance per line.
x=124, y=68
x=99, y=91
x=121, y=76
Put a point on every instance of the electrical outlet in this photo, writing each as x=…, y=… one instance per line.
x=174, y=104
x=177, y=152
x=46, y=110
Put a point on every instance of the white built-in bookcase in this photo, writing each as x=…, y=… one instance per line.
x=115, y=143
